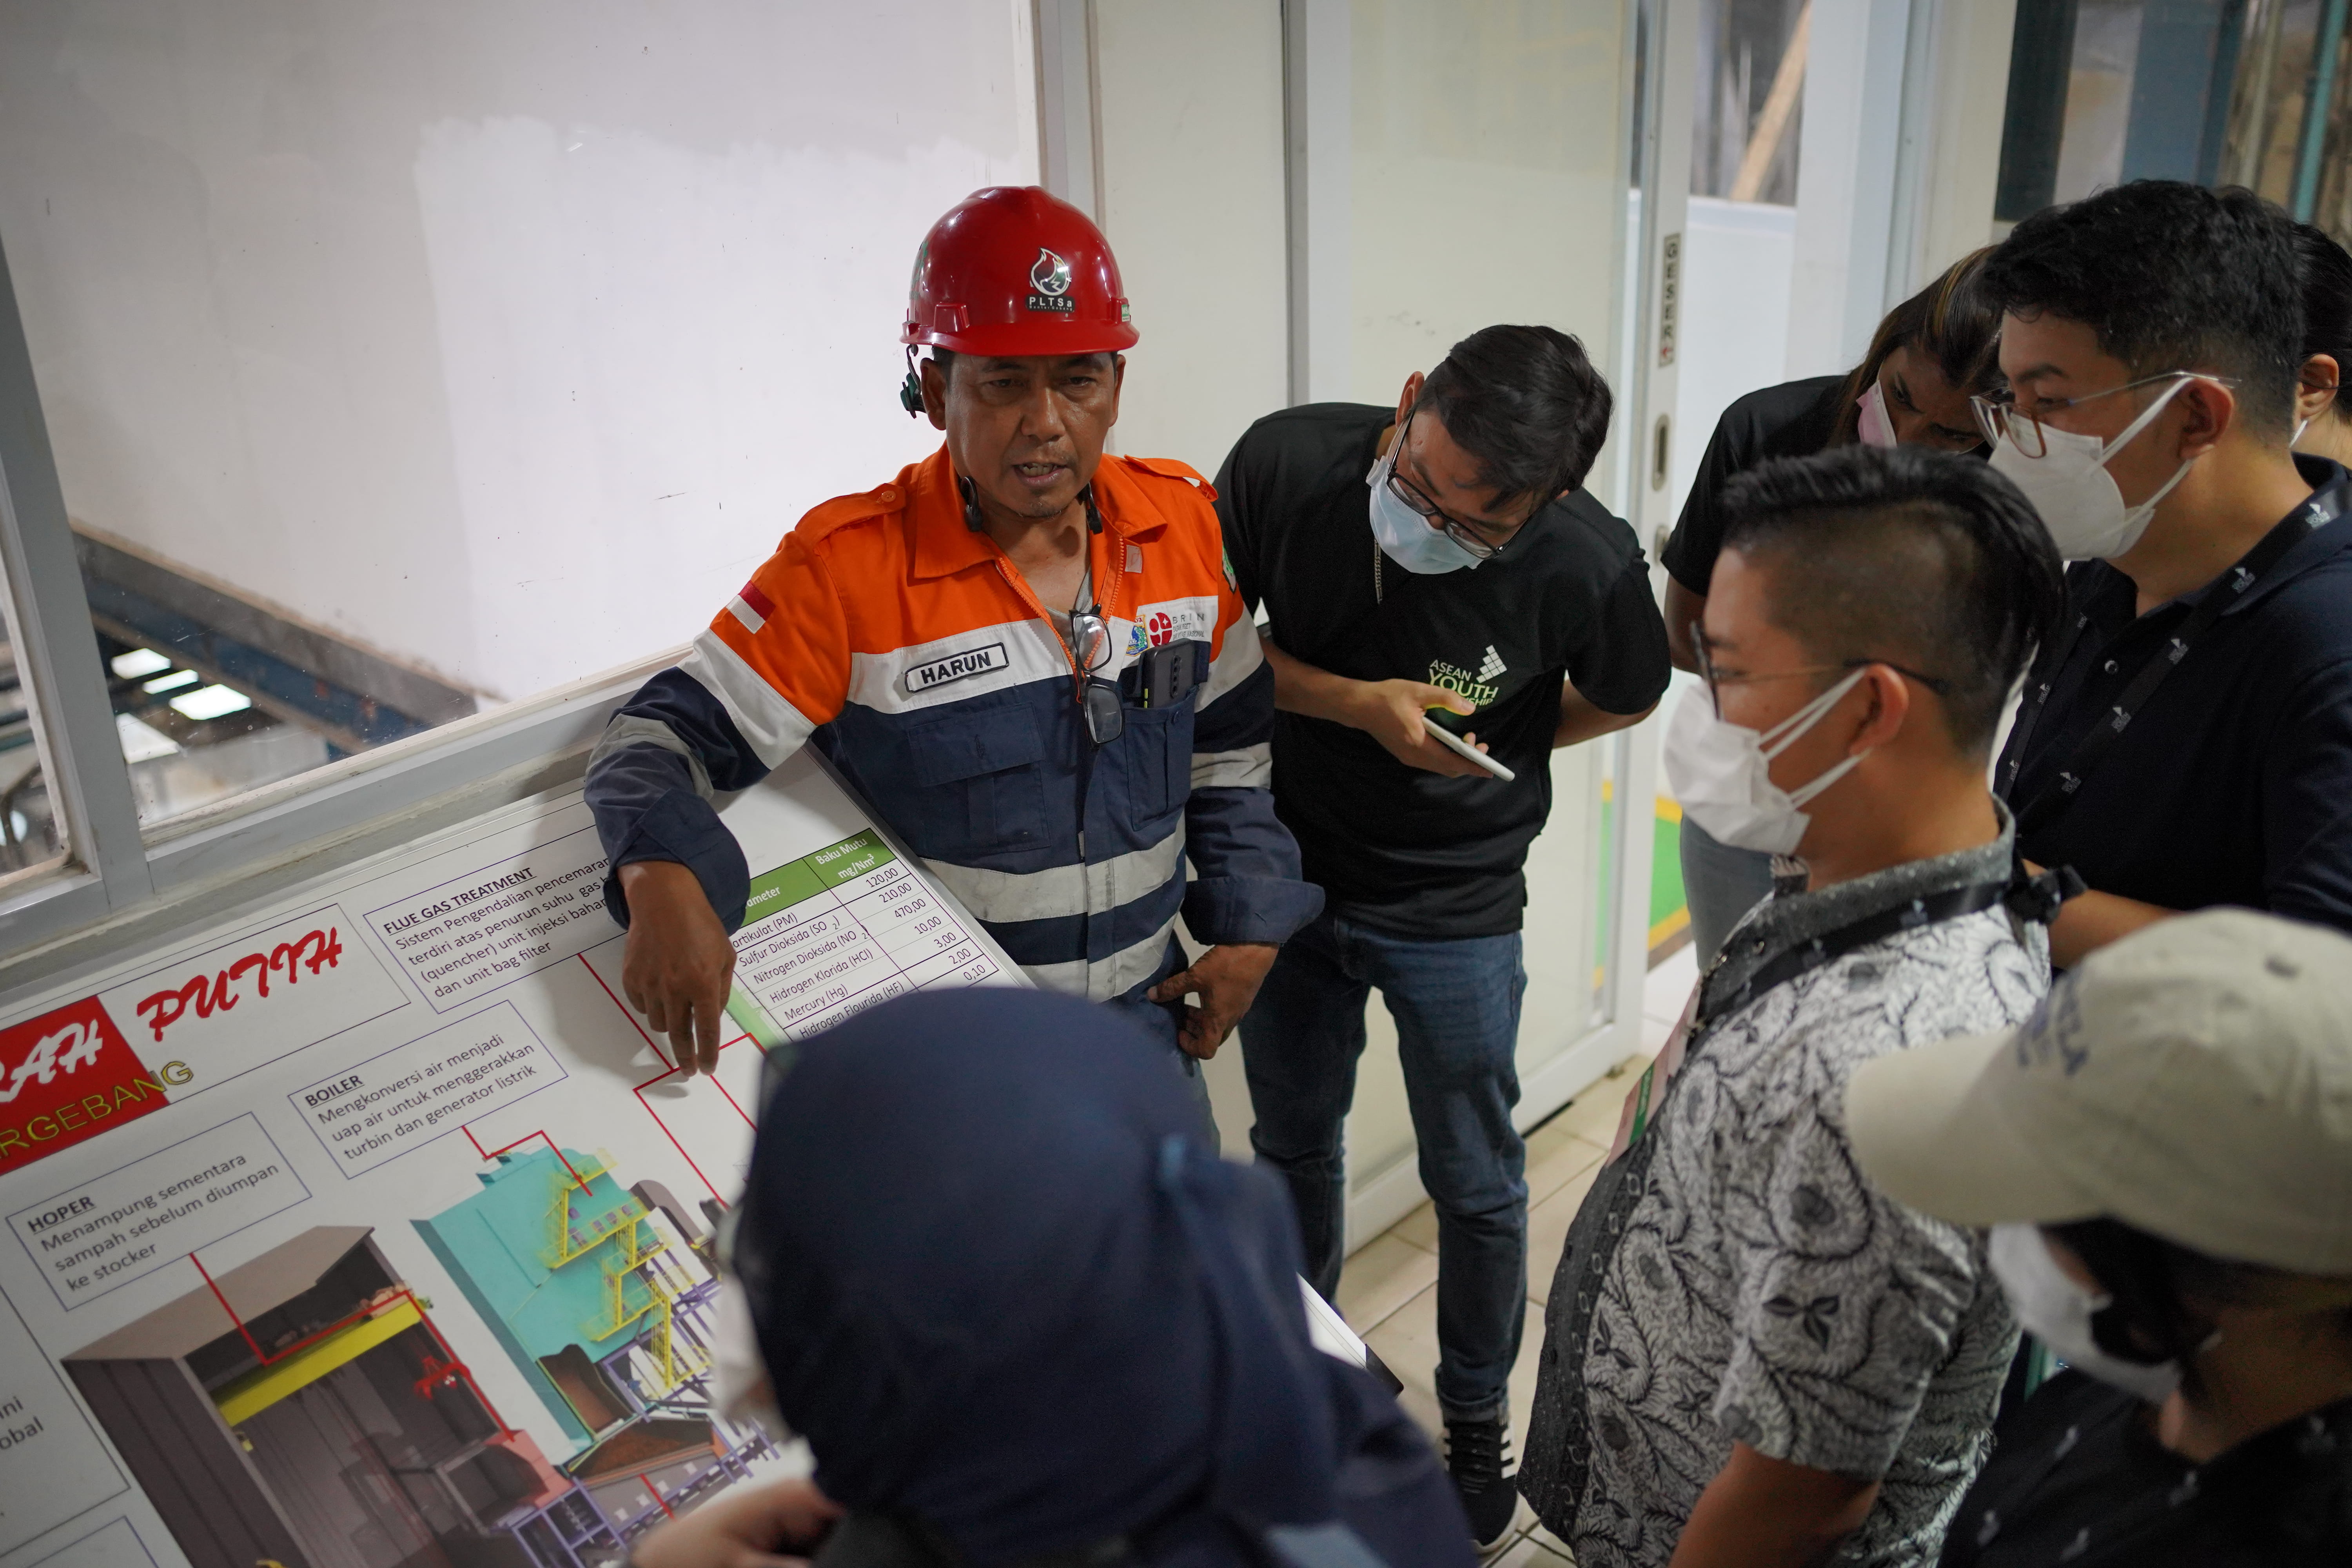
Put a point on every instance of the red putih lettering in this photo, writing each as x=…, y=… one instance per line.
x=219, y=992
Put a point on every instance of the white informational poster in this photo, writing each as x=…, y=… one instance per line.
x=372, y=1229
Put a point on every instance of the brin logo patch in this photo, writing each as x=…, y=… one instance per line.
x=1051, y=280
x=957, y=667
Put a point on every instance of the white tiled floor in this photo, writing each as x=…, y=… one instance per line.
x=1663, y=993
x=1388, y=1290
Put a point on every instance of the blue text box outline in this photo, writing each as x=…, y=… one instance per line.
x=97, y=1435
x=507, y=1002
x=121, y=1518
x=418, y=983
x=286, y=1165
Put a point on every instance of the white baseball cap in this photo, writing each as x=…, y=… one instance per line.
x=2193, y=1080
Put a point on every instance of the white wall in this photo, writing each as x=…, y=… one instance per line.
x=1488, y=173
x=1486, y=166
x=1961, y=167
x=1510, y=121
x=1900, y=152
x=1191, y=109
x=1737, y=258
x=505, y=338
x=1846, y=182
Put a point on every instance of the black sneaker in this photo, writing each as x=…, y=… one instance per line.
x=1477, y=1456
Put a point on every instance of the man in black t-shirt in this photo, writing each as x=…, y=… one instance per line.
x=1436, y=563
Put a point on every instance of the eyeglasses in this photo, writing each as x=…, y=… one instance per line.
x=1465, y=534
x=1098, y=699
x=1998, y=414
x=1716, y=679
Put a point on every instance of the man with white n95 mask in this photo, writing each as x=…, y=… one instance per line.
x=2186, y=740
x=2164, y=1154
x=1751, y=1356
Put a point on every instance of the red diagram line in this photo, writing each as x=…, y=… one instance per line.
x=250, y=1343
x=658, y=1497
x=731, y=1099
x=405, y=1293
x=671, y=1071
x=640, y=1092
x=668, y=1071
x=628, y=1013
x=577, y=1179
x=457, y=1364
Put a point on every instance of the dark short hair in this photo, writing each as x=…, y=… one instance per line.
x=1952, y=322
x=2169, y=277
x=2328, y=307
x=1927, y=558
x=2163, y=1292
x=1525, y=402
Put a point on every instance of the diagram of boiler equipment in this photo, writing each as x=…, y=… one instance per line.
x=609, y=1313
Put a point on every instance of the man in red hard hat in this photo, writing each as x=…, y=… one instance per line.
x=1026, y=656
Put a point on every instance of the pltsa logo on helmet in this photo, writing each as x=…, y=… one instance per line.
x=1051, y=280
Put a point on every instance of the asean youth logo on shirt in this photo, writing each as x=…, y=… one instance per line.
x=1477, y=687
x=1051, y=280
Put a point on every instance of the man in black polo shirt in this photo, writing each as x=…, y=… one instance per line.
x=2187, y=741
x=1439, y=556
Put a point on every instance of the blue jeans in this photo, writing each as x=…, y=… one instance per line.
x=1160, y=1022
x=1456, y=1007
x=1721, y=884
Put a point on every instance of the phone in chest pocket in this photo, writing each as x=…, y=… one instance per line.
x=1168, y=674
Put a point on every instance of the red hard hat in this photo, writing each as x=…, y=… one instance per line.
x=1014, y=270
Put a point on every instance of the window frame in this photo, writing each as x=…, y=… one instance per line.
x=118, y=879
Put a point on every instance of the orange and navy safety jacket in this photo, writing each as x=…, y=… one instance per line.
x=910, y=651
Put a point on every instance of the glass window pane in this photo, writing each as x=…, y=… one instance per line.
x=1749, y=116
x=32, y=836
x=406, y=360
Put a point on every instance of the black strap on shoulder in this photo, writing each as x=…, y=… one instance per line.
x=2031, y=896
x=2054, y=797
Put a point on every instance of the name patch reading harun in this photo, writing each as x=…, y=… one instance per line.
x=957, y=666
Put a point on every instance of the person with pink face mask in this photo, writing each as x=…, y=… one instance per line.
x=1929, y=355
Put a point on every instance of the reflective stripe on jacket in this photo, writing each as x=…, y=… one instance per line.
x=911, y=651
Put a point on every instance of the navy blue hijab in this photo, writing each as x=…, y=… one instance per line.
x=1006, y=1295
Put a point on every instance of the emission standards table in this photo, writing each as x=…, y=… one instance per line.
x=839, y=930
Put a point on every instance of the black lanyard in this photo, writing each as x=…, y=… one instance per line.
x=2034, y=897
x=2235, y=585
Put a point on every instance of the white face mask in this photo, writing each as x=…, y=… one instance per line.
x=1404, y=535
x=1872, y=426
x=1722, y=774
x=2069, y=485
x=2058, y=1312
